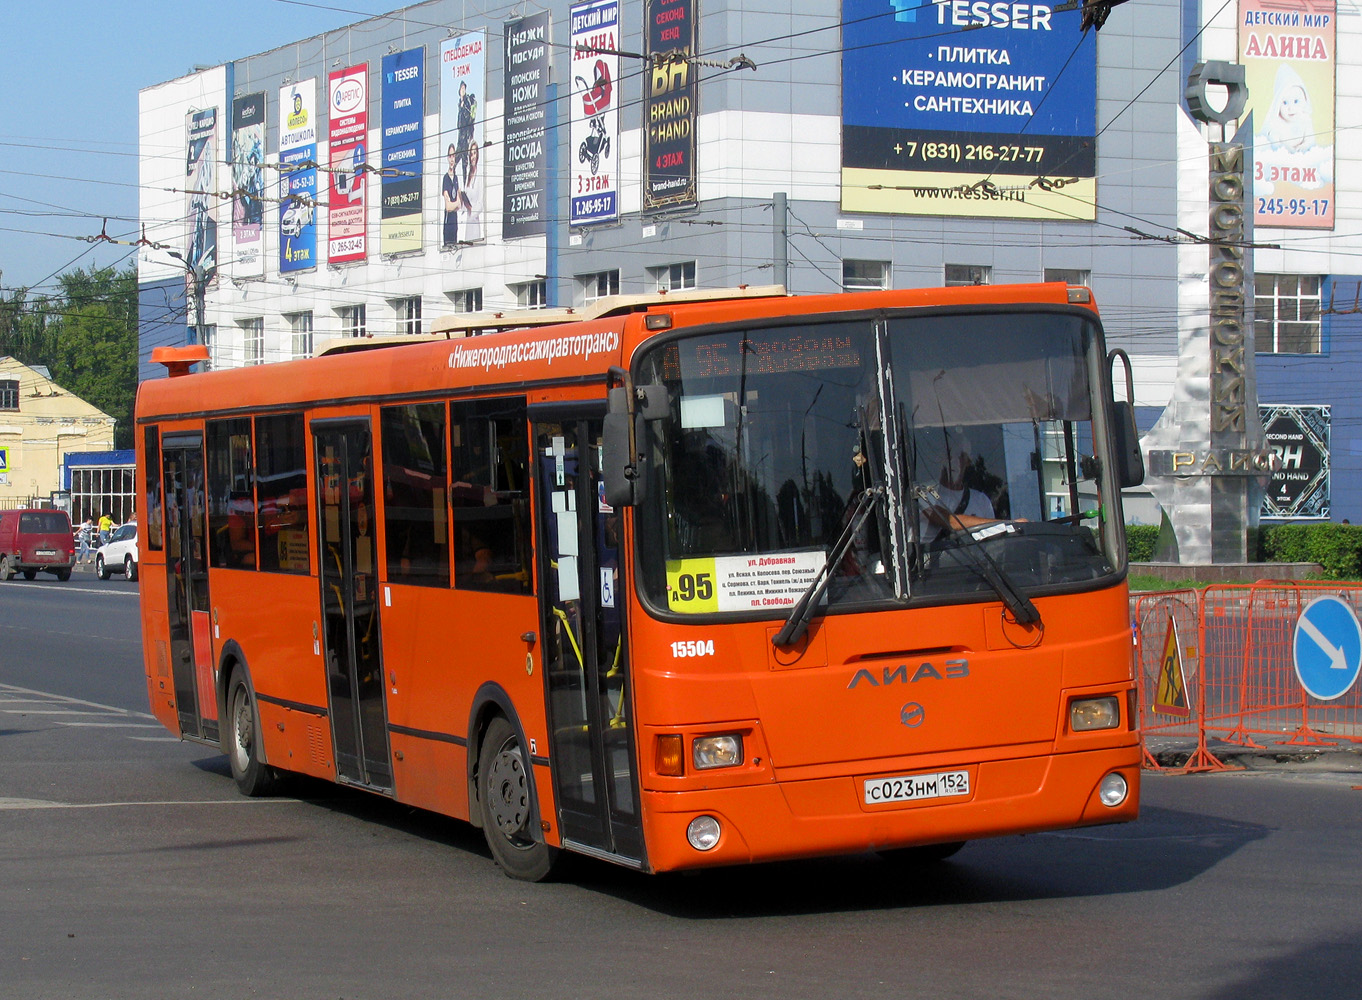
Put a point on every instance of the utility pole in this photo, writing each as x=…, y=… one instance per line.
x=780, y=254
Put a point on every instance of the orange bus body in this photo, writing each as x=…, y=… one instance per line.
x=818, y=721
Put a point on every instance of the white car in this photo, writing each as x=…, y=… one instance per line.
x=119, y=554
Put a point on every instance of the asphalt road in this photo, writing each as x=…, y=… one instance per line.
x=130, y=867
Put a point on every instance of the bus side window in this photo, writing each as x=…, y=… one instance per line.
x=231, y=501
x=283, y=513
x=151, y=452
x=415, y=514
x=488, y=496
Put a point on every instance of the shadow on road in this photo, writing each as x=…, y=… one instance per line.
x=1163, y=849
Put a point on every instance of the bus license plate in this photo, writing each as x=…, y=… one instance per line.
x=913, y=787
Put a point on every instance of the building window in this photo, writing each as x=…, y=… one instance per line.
x=354, y=321
x=1069, y=275
x=968, y=274
x=408, y=315
x=300, y=326
x=1286, y=311
x=9, y=394
x=207, y=335
x=466, y=300
x=865, y=275
x=253, y=341
x=673, y=277
x=591, y=287
x=530, y=294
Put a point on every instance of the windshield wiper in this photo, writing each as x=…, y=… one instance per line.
x=1023, y=611
x=798, y=623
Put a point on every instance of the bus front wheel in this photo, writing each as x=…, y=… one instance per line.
x=253, y=776
x=506, y=799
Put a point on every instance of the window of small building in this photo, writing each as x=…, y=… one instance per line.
x=9, y=394
x=1069, y=275
x=300, y=334
x=673, y=277
x=958, y=275
x=865, y=275
x=415, y=501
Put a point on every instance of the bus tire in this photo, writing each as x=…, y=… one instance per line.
x=506, y=802
x=242, y=740
x=925, y=854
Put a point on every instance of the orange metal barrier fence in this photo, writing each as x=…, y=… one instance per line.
x=1218, y=664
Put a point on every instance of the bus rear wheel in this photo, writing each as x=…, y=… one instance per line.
x=253, y=776
x=506, y=801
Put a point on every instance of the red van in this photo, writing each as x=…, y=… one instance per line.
x=33, y=540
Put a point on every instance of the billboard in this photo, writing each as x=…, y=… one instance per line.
x=1287, y=50
x=404, y=110
x=525, y=164
x=594, y=124
x=200, y=162
x=971, y=109
x=298, y=176
x=670, y=92
x=463, y=84
x=348, y=138
x=1299, y=436
x=248, y=185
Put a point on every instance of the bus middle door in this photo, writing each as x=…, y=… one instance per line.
x=187, y=614
x=351, y=639
x=585, y=657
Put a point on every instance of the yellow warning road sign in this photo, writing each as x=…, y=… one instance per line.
x=1170, y=698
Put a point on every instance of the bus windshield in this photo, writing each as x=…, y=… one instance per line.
x=969, y=437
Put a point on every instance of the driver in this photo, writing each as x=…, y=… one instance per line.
x=955, y=505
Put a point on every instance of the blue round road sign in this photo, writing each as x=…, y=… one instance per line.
x=1327, y=648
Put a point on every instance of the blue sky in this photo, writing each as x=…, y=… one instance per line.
x=70, y=71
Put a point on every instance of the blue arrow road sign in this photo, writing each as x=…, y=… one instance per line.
x=1327, y=648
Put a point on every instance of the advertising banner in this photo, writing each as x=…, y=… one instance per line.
x=348, y=110
x=525, y=165
x=970, y=109
x=670, y=91
x=248, y=185
x=298, y=176
x=1287, y=50
x=404, y=111
x=463, y=83
x=1299, y=436
x=201, y=236
x=594, y=125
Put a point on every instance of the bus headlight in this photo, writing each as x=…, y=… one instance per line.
x=716, y=751
x=1113, y=790
x=703, y=832
x=1087, y=714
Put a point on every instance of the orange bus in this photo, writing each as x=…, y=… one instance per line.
x=686, y=580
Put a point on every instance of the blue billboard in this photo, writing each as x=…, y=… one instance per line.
x=968, y=108
x=404, y=110
x=298, y=176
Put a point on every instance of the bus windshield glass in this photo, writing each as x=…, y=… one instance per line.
x=970, y=438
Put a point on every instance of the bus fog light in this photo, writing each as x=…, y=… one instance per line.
x=1088, y=714
x=716, y=751
x=1113, y=790
x=703, y=832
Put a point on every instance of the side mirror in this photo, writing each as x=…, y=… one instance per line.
x=1129, y=462
x=1125, y=436
x=619, y=461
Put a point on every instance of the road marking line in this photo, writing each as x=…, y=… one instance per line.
x=66, y=700
x=26, y=804
x=156, y=739
x=111, y=725
x=49, y=711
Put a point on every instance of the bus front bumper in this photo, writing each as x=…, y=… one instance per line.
x=829, y=816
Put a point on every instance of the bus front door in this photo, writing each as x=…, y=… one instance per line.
x=351, y=646
x=585, y=656
x=191, y=646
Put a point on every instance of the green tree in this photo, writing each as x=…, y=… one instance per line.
x=95, y=351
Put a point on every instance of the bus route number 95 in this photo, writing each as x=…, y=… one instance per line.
x=693, y=587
